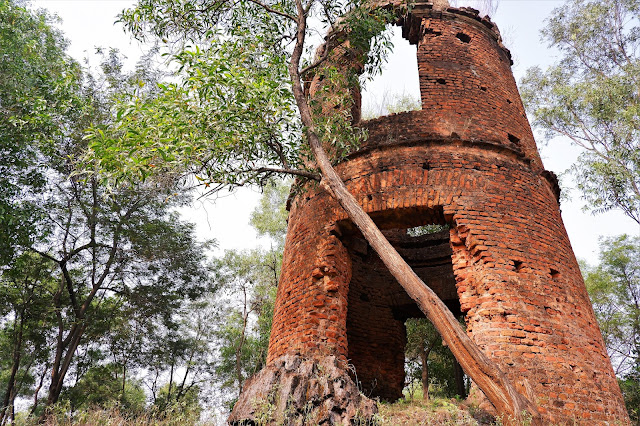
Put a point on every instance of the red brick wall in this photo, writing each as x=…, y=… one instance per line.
x=516, y=275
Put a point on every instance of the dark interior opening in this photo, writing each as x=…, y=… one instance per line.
x=378, y=306
x=463, y=37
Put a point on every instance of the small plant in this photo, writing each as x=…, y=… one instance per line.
x=524, y=420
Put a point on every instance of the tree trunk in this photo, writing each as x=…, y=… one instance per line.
x=485, y=373
x=424, y=355
x=9, y=396
x=459, y=375
x=36, y=391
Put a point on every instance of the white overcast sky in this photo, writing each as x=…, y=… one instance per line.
x=90, y=23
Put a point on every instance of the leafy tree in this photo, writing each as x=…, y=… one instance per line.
x=630, y=387
x=26, y=290
x=38, y=94
x=270, y=216
x=591, y=97
x=185, y=407
x=238, y=112
x=614, y=288
x=244, y=337
x=428, y=361
x=127, y=246
x=100, y=386
x=249, y=279
x=98, y=252
x=176, y=357
x=422, y=338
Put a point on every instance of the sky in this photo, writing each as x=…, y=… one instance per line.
x=91, y=23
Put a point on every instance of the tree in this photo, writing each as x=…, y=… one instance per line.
x=175, y=357
x=77, y=253
x=590, y=96
x=614, y=288
x=38, y=88
x=630, y=387
x=428, y=360
x=101, y=386
x=422, y=338
x=106, y=243
x=241, y=113
x=26, y=290
x=249, y=280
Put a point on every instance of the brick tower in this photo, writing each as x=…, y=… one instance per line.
x=467, y=160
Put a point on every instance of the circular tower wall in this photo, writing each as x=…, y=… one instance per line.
x=467, y=159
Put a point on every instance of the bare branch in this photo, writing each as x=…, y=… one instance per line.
x=272, y=10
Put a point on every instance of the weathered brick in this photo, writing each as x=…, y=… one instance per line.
x=467, y=159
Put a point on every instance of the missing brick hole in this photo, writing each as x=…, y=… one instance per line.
x=509, y=101
x=463, y=37
x=513, y=138
x=554, y=274
x=432, y=31
x=441, y=81
x=483, y=88
x=517, y=265
x=426, y=165
x=369, y=197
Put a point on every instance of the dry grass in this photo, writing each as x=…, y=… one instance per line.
x=113, y=417
x=436, y=411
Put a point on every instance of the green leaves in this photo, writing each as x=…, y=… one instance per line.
x=614, y=289
x=591, y=96
x=38, y=91
x=227, y=116
x=231, y=115
x=248, y=280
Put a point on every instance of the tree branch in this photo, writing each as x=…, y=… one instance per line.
x=295, y=172
x=272, y=10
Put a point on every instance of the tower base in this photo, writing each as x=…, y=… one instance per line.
x=296, y=391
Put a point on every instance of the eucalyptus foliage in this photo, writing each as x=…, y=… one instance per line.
x=591, y=97
x=228, y=116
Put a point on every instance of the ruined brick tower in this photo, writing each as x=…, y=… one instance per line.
x=467, y=160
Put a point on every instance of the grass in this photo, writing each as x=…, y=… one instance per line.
x=113, y=417
x=435, y=411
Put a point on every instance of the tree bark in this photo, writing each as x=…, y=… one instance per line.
x=424, y=355
x=459, y=376
x=36, y=391
x=485, y=373
x=9, y=396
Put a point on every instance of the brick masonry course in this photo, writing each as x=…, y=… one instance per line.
x=468, y=159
